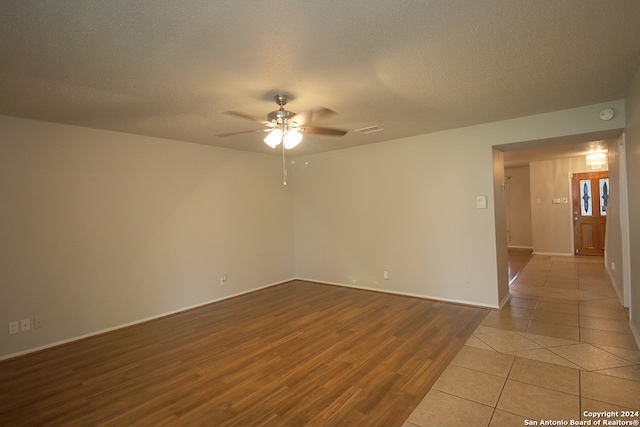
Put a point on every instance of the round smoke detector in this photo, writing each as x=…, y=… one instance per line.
x=607, y=114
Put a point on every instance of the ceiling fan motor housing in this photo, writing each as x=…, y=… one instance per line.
x=280, y=116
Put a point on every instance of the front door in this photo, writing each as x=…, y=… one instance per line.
x=590, y=194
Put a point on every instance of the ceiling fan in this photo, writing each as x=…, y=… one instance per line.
x=287, y=127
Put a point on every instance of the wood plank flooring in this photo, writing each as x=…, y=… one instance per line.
x=296, y=354
x=517, y=261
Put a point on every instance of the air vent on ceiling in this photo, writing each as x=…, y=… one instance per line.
x=370, y=129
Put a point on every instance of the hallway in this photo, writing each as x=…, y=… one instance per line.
x=561, y=347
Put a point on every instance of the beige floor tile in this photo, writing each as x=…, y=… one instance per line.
x=531, y=291
x=592, y=285
x=596, y=295
x=528, y=281
x=506, y=419
x=560, y=267
x=507, y=341
x=578, y=295
x=596, y=280
x=607, y=312
x=476, y=343
x=553, y=330
x=555, y=317
x=494, y=320
x=487, y=361
x=608, y=338
x=564, y=271
x=561, y=284
x=631, y=372
x=593, y=271
x=546, y=375
x=571, y=294
x=632, y=356
x=602, y=324
x=604, y=388
x=470, y=384
x=590, y=405
x=544, y=355
x=612, y=303
x=552, y=298
x=546, y=341
x=557, y=307
x=516, y=312
x=440, y=409
x=577, y=324
x=589, y=357
x=602, y=292
x=535, y=273
x=565, y=262
x=482, y=329
x=593, y=278
x=559, y=276
x=538, y=403
x=523, y=302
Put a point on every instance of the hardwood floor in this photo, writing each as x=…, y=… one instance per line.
x=517, y=261
x=295, y=354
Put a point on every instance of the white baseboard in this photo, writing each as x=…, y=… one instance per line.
x=553, y=254
x=404, y=294
x=505, y=300
x=520, y=247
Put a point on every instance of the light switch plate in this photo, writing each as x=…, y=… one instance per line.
x=481, y=202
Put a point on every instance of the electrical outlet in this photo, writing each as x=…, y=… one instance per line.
x=25, y=324
x=223, y=279
x=385, y=274
x=37, y=322
x=14, y=328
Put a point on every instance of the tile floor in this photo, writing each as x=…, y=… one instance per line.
x=562, y=346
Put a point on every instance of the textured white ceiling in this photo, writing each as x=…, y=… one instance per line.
x=169, y=68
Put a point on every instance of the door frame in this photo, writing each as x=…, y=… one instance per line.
x=624, y=221
x=572, y=205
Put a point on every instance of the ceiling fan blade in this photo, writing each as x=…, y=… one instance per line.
x=312, y=116
x=322, y=131
x=244, y=131
x=249, y=117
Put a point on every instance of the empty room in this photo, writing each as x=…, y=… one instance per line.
x=308, y=213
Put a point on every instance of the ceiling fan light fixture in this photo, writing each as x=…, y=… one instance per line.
x=292, y=138
x=273, y=138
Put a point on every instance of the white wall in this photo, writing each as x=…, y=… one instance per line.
x=409, y=206
x=632, y=133
x=518, y=198
x=614, y=239
x=552, y=224
x=99, y=229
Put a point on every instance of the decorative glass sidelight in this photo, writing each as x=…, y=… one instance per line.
x=604, y=195
x=586, y=198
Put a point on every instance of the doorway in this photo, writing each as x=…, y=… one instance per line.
x=590, y=199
